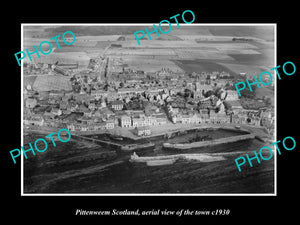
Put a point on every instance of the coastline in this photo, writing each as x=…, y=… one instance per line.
x=162, y=132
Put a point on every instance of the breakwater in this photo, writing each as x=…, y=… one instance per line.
x=116, y=146
x=196, y=156
x=148, y=142
x=208, y=143
x=98, y=141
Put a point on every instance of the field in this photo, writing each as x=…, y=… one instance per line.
x=47, y=83
x=192, y=42
x=150, y=64
x=186, y=49
x=203, y=65
x=81, y=58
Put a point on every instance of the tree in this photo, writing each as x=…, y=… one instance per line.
x=208, y=93
x=121, y=85
x=106, y=86
x=247, y=93
x=187, y=93
x=268, y=101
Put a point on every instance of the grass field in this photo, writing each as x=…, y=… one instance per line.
x=199, y=66
x=189, y=48
x=47, y=83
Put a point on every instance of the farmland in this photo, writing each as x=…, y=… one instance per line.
x=233, y=49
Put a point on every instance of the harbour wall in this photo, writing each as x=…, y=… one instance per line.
x=101, y=142
x=208, y=143
x=198, y=156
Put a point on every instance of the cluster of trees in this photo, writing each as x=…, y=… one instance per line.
x=249, y=103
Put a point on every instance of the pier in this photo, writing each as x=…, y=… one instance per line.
x=208, y=143
x=101, y=142
x=202, y=157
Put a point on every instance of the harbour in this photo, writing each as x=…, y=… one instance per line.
x=82, y=167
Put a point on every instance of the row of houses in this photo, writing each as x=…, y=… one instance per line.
x=203, y=117
x=95, y=126
x=206, y=115
x=142, y=120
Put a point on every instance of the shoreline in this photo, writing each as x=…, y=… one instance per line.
x=163, y=132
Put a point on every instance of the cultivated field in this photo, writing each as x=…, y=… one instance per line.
x=190, y=48
x=52, y=82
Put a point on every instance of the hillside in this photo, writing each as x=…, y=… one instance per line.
x=262, y=32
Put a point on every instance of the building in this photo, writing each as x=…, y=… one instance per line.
x=37, y=120
x=205, y=103
x=103, y=113
x=218, y=118
x=56, y=111
x=98, y=94
x=82, y=98
x=125, y=121
x=72, y=106
x=224, y=75
x=161, y=119
x=83, y=109
x=117, y=105
x=235, y=106
x=138, y=122
x=142, y=131
x=123, y=92
x=92, y=106
x=213, y=75
x=188, y=118
x=238, y=119
x=254, y=121
x=232, y=95
x=185, y=119
x=63, y=105
x=204, y=115
x=110, y=124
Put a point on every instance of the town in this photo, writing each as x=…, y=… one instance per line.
x=103, y=100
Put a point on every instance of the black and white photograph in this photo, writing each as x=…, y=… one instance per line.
x=142, y=112
x=148, y=113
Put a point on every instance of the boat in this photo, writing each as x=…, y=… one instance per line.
x=135, y=158
x=116, y=137
x=169, y=135
x=161, y=162
x=170, y=159
x=153, y=160
x=131, y=147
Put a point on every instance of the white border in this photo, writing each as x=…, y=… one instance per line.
x=150, y=24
